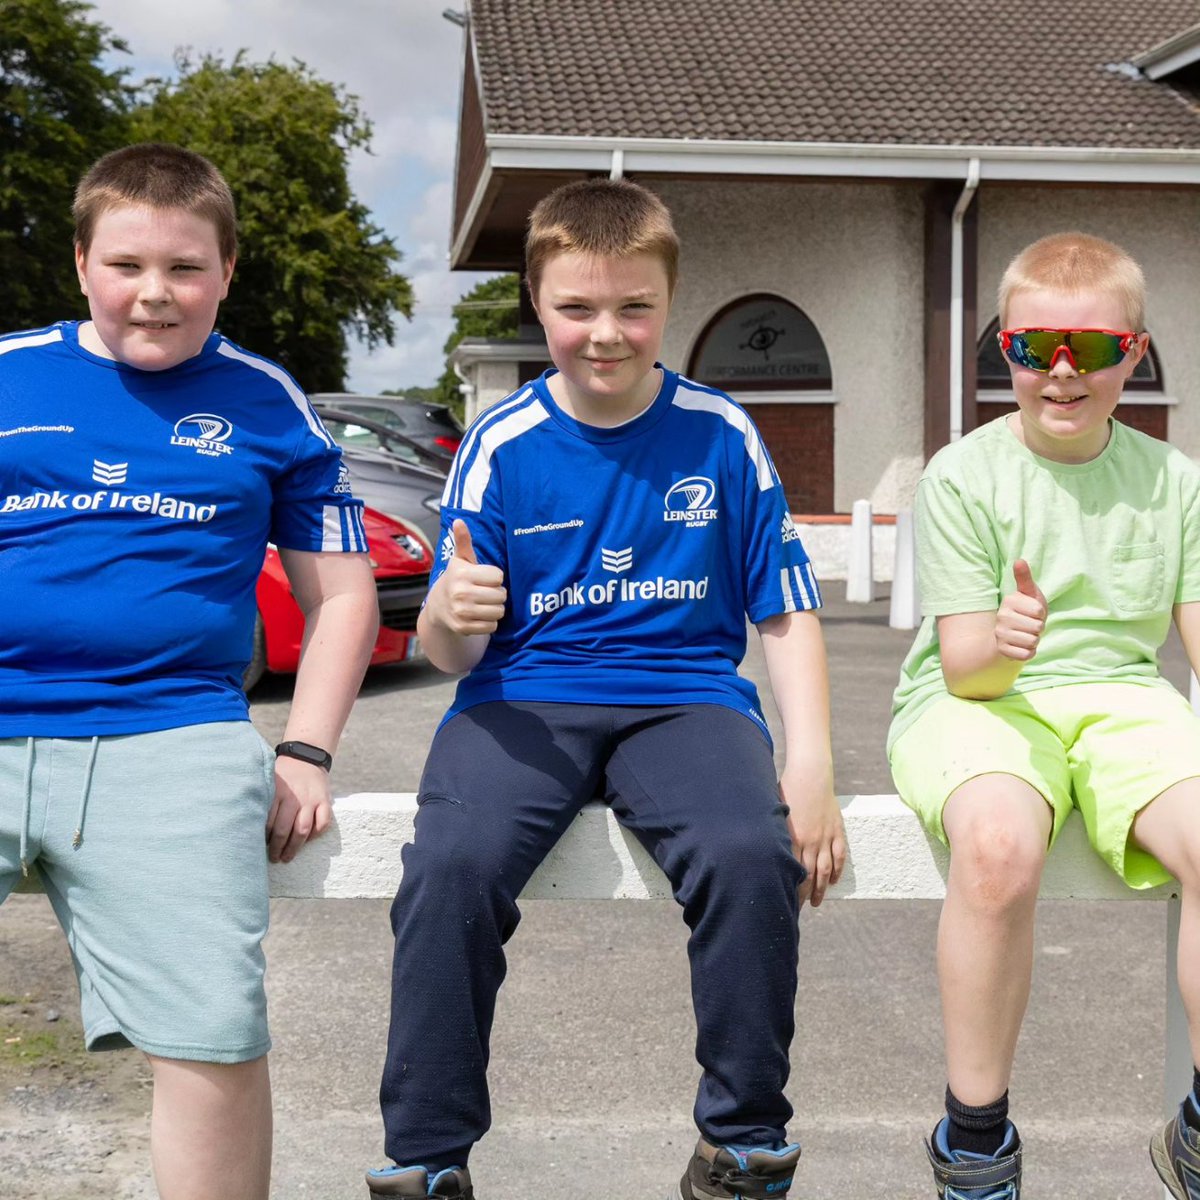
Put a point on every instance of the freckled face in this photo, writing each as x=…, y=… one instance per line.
x=154, y=279
x=1064, y=415
x=604, y=320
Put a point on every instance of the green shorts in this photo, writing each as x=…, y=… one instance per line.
x=164, y=899
x=1107, y=749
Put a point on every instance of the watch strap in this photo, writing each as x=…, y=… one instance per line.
x=305, y=752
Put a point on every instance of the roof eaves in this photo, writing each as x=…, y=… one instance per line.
x=1072, y=164
x=1170, y=56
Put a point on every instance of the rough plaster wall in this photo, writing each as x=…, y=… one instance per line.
x=1161, y=229
x=493, y=381
x=852, y=257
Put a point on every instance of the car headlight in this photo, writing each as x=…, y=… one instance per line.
x=433, y=503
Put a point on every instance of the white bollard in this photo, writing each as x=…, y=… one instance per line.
x=860, y=573
x=906, y=602
x=1195, y=694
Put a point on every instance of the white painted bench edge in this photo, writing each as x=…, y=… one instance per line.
x=891, y=858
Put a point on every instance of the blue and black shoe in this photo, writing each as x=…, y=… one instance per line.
x=738, y=1173
x=963, y=1175
x=454, y=1183
x=1175, y=1152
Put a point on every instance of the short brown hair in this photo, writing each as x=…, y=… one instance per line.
x=156, y=175
x=610, y=217
x=1077, y=262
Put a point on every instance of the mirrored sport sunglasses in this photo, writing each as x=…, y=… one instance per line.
x=1086, y=349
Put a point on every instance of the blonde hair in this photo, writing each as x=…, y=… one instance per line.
x=1077, y=262
x=613, y=218
x=155, y=175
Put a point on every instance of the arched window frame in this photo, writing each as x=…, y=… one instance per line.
x=992, y=386
x=751, y=391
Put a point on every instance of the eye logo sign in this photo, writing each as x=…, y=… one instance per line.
x=206, y=433
x=691, y=501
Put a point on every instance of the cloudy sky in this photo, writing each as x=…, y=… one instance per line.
x=402, y=58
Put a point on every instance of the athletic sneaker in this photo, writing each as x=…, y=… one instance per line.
x=1175, y=1153
x=454, y=1183
x=962, y=1175
x=737, y=1173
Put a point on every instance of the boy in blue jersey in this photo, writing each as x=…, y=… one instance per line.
x=145, y=462
x=607, y=531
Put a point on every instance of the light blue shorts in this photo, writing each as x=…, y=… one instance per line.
x=152, y=852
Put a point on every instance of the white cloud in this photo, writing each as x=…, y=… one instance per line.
x=403, y=60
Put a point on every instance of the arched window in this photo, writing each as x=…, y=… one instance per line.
x=992, y=366
x=761, y=343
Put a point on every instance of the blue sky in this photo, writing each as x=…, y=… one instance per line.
x=402, y=58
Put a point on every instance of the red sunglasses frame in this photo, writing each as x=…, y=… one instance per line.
x=1127, y=342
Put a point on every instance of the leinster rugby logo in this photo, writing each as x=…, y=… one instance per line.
x=691, y=501
x=205, y=433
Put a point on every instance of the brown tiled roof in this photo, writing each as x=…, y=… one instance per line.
x=975, y=72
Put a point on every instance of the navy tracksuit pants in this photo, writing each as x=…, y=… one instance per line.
x=696, y=784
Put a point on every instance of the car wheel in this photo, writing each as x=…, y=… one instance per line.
x=256, y=668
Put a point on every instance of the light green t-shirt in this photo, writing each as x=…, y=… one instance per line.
x=1113, y=543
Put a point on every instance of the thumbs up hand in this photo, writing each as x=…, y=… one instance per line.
x=1021, y=618
x=469, y=598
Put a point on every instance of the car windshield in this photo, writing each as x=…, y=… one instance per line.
x=351, y=436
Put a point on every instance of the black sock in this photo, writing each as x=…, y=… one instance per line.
x=979, y=1129
x=1191, y=1106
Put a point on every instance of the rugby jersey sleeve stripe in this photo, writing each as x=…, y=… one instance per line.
x=785, y=583
x=701, y=401
x=479, y=473
x=470, y=443
x=289, y=385
x=29, y=340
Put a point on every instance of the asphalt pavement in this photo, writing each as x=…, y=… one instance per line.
x=592, y=1065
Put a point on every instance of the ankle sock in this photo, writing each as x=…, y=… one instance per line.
x=980, y=1128
x=1191, y=1105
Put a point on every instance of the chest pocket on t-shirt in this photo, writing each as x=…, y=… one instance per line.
x=1138, y=570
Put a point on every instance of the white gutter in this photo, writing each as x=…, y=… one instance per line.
x=1082, y=164
x=832, y=160
x=957, y=349
x=618, y=164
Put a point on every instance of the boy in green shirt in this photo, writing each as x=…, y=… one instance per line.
x=1054, y=547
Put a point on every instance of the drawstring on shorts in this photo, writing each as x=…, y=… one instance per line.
x=77, y=840
x=27, y=805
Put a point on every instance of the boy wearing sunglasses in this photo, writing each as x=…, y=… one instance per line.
x=1054, y=547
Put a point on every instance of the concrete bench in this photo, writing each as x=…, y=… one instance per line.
x=891, y=858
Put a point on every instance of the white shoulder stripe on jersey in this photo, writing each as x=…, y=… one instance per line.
x=484, y=421
x=709, y=402
x=479, y=473
x=289, y=385
x=34, y=339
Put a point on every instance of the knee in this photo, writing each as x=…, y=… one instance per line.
x=744, y=851
x=996, y=864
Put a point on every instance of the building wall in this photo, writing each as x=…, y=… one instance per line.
x=852, y=257
x=1158, y=227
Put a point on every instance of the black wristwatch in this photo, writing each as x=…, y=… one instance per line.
x=305, y=753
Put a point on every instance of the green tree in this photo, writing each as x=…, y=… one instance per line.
x=313, y=268
x=490, y=309
x=59, y=111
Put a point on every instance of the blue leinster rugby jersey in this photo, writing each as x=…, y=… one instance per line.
x=632, y=555
x=135, y=510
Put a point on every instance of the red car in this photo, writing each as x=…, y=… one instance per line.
x=401, y=559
